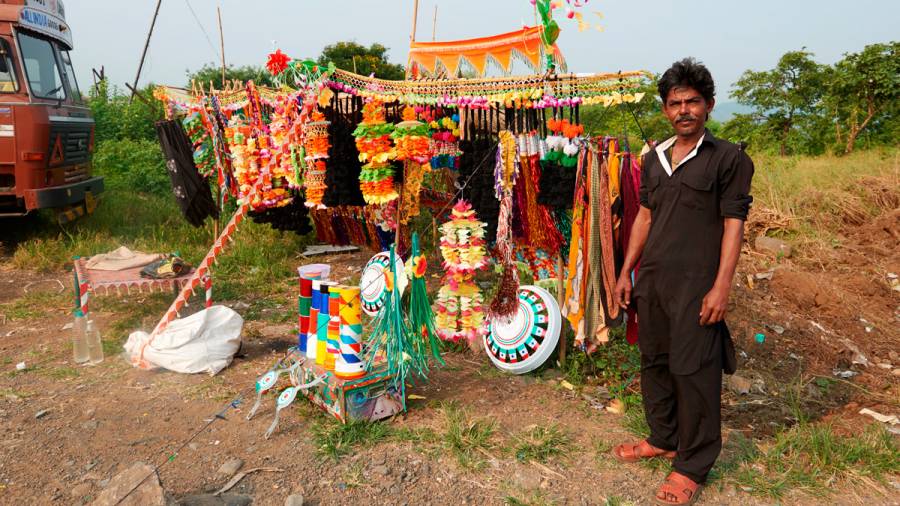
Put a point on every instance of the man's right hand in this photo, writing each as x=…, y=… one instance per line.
x=623, y=290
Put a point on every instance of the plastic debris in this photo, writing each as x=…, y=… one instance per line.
x=889, y=419
x=21, y=366
x=760, y=338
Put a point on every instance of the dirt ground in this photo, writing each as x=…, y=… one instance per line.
x=97, y=421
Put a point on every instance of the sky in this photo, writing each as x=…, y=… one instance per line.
x=728, y=36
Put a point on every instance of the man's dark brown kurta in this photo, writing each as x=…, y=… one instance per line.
x=681, y=360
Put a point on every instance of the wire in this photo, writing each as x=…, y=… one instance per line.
x=208, y=40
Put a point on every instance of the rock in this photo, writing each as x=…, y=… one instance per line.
x=90, y=413
x=90, y=425
x=771, y=245
x=148, y=493
x=230, y=467
x=382, y=470
x=894, y=356
x=896, y=372
x=41, y=414
x=738, y=384
x=90, y=466
x=81, y=490
x=294, y=500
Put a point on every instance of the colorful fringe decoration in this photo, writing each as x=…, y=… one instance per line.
x=204, y=155
x=506, y=300
x=421, y=317
x=315, y=147
x=411, y=146
x=392, y=338
x=458, y=308
x=373, y=141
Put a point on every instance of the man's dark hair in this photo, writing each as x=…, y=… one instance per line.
x=687, y=73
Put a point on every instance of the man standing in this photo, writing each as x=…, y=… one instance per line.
x=695, y=196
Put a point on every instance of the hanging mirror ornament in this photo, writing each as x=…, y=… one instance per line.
x=522, y=343
x=373, y=285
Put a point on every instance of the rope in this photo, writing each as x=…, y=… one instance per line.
x=208, y=40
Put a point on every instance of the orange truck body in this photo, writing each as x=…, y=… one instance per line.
x=46, y=129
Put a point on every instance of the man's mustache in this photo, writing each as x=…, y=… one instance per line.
x=685, y=117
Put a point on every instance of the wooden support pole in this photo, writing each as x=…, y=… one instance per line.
x=146, y=47
x=221, y=43
x=434, y=25
x=412, y=36
x=561, y=298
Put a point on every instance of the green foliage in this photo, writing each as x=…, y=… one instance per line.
x=368, y=60
x=864, y=90
x=132, y=165
x=118, y=117
x=212, y=73
x=467, y=438
x=785, y=96
x=803, y=107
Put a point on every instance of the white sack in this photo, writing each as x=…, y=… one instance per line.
x=203, y=342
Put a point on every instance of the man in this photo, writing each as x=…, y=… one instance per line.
x=695, y=196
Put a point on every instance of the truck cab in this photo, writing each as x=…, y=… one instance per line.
x=46, y=129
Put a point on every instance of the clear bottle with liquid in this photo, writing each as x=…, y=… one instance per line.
x=94, y=344
x=79, y=339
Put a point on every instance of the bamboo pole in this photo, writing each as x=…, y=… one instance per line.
x=144, y=54
x=221, y=43
x=412, y=36
x=560, y=297
x=434, y=25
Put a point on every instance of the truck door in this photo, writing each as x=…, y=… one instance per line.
x=9, y=84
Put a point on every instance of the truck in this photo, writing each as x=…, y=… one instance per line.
x=46, y=128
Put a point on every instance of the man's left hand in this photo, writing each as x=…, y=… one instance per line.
x=715, y=305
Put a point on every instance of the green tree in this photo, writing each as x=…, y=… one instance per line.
x=783, y=98
x=211, y=73
x=863, y=90
x=362, y=60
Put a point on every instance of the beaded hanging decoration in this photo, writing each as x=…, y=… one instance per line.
x=373, y=141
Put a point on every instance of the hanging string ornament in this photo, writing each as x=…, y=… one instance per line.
x=373, y=141
x=284, y=129
x=411, y=147
x=444, y=140
x=558, y=163
x=315, y=146
x=506, y=300
x=459, y=312
x=204, y=156
x=421, y=317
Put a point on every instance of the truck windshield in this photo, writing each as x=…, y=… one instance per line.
x=41, y=67
x=8, y=82
x=69, y=72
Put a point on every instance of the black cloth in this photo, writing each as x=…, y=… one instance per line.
x=191, y=190
x=557, y=185
x=342, y=168
x=476, y=177
x=684, y=412
x=681, y=257
x=293, y=217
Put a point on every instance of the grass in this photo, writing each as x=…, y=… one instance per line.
x=334, y=439
x=808, y=198
x=541, y=443
x=466, y=438
x=35, y=304
x=814, y=459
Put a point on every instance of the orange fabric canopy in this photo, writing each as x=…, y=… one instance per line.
x=525, y=43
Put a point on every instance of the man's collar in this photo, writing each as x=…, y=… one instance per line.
x=706, y=138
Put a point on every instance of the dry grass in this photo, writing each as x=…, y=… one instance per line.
x=814, y=197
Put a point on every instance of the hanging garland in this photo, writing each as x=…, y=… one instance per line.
x=316, y=145
x=373, y=141
x=459, y=312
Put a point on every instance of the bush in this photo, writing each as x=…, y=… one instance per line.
x=132, y=165
x=116, y=117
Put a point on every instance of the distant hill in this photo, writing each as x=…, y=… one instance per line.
x=725, y=110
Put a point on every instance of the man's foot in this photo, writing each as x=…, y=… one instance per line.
x=678, y=490
x=633, y=452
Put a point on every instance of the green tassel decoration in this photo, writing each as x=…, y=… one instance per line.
x=421, y=317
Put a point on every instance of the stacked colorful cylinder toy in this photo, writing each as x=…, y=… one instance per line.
x=350, y=364
x=313, y=325
x=332, y=346
x=322, y=323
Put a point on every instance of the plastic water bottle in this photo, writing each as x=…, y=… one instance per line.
x=79, y=339
x=94, y=344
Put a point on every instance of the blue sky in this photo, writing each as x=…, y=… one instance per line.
x=728, y=36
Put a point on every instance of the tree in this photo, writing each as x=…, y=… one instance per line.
x=211, y=73
x=362, y=60
x=785, y=96
x=863, y=88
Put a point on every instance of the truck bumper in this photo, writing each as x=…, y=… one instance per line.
x=61, y=196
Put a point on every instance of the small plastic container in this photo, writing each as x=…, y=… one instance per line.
x=94, y=344
x=79, y=340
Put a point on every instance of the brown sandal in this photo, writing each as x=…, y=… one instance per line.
x=634, y=452
x=678, y=490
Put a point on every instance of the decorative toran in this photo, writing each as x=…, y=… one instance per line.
x=373, y=141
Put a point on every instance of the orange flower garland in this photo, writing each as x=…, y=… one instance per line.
x=373, y=141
